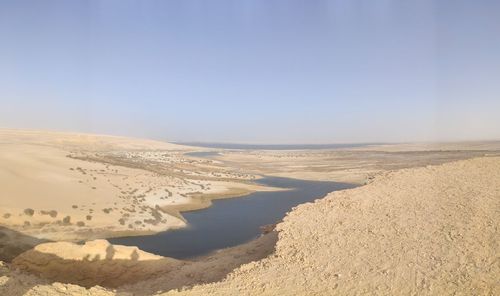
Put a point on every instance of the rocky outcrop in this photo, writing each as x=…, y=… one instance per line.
x=94, y=263
x=98, y=264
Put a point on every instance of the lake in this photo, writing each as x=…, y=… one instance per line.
x=276, y=147
x=230, y=222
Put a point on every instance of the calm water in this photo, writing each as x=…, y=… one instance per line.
x=275, y=147
x=204, y=154
x=230, y=222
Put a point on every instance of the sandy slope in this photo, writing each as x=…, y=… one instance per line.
x=421, y=231
x=62, y=186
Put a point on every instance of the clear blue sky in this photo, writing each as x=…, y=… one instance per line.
x=253, y=71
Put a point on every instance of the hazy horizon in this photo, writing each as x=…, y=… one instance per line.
x=253, y=72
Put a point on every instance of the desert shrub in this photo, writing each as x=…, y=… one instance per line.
x=6, y=215
x=52, y=213
x=89, y=217
x=66, y=220
x=74, y=206
x=80, y=223
x=156, y=214
x=122, y=221
x=151, y=221
x=29, y=212
x=107, y=211
x=27, y=223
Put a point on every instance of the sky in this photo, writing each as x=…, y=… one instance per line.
x=260, y=71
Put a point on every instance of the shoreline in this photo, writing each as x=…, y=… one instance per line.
x=232, y=221
x=177, y=210
x=74, y=187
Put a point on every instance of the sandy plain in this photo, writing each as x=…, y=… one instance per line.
x=425, y=222
x=353, y=165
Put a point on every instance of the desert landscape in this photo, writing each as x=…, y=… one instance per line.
x=275, y=148
x=423, y=220
x=58, y=186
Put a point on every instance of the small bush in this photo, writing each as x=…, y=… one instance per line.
x=52, y=213
x=66, y=220
x=6, y=215
x=80, y=223
x=29, y=212
x=89, y=217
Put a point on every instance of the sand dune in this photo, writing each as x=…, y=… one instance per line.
x=61, y=186
x=419, y=231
